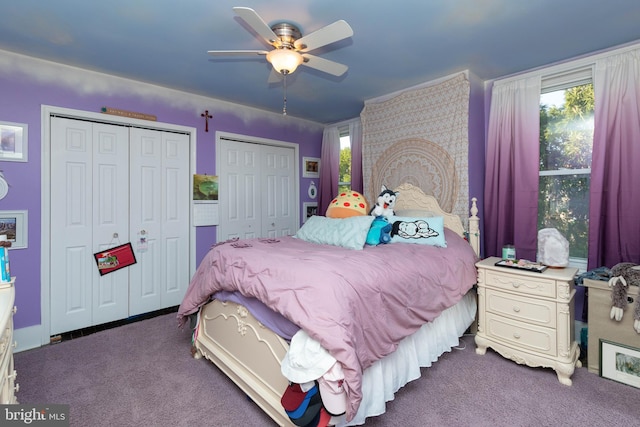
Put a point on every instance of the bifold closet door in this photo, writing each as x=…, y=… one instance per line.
x=257, y=190
x=89, y=213
x=159, y=200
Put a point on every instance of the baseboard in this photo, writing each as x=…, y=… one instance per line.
x=27, y=338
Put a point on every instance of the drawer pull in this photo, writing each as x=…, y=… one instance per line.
x=17, y=388
x=516, y=335
x=516, y=309
x=515, y=285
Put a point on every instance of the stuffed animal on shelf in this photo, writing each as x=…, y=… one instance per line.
x=623, y=275
x=385, y=203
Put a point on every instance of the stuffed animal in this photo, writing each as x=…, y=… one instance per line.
x=623, y=275
x=385, y=203
x=379, y=232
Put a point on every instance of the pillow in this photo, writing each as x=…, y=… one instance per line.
x=350, y=233
x=421, y=231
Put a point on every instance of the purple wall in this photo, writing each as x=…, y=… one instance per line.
x=24, y=89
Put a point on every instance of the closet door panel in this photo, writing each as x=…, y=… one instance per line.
x=176, y=221
x=85, y=157
x=110, y=218
x=145, y=278
x=240, y=180
x=279, y=209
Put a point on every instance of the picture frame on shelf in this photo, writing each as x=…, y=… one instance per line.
x=14, y=224
x=309, y=209
x=619, y=362
x=310, y=167
x=14, y=138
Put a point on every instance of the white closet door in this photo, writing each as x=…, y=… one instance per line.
x=89, y=203
x=160, y=215
x=278, y=201
x=240, y=190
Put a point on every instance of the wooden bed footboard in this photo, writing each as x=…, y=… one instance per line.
x=247, y=352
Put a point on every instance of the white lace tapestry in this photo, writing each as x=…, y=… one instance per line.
x=420, y=136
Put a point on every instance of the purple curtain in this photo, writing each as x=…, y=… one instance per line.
x=355, y=133
x=512, y=165
x=329, y=168
x=614, y=227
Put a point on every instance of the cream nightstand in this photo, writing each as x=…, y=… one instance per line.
x=528, y=316
x=8, y=374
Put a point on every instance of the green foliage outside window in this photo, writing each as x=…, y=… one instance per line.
x=566, y=141
x=345, y=169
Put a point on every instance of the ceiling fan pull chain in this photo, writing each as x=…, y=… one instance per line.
x=284, y=106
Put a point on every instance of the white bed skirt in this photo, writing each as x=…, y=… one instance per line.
x=382, y=379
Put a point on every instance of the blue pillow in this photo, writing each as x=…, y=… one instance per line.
x=350, y=233
x=421, y=231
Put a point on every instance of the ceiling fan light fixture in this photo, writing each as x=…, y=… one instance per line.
x=284, y=61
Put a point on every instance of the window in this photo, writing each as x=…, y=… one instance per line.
x=344, y=182
x=566, y=141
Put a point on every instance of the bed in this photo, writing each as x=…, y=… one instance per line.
x=227, y=301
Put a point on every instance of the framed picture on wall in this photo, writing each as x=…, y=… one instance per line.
x=309, y=209
x=13, y=224
x=310, y=167
x=13, y=142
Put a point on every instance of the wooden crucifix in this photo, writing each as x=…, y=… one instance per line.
x=206, y=116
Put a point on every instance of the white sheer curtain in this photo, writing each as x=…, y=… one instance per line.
x=614, y=228
x=511, y=177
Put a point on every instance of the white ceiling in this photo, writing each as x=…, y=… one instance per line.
x=396, y=44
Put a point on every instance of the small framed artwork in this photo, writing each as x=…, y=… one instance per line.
x=309, y=209
x=115, y=258
x=620, y=363
x=205, y=187
x=13, y=142
x=310, y=167
x=13, y=224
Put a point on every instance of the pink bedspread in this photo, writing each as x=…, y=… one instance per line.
x=358, y=304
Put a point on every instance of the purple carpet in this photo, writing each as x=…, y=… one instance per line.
x=142, y=374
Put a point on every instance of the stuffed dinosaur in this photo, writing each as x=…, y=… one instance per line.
x=385, y=203
x=623, y=275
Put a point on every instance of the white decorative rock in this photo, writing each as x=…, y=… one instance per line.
x=553, y=248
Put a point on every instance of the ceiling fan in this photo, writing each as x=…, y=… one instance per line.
x=290, y=47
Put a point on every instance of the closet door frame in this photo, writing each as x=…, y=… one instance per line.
x=46, y=112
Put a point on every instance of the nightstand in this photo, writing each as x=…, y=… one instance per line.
x=8, y=386
x=528, y=316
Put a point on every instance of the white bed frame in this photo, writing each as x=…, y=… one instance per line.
x=250, y=354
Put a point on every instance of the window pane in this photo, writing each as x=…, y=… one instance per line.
x=566, y=128
x=345, y=163
x=564, y=205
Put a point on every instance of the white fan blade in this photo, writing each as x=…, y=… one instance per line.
x=257, y=23
x=330, y=34
x=236, y=52
x=324, y=65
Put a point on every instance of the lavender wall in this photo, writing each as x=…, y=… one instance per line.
x=26, y=84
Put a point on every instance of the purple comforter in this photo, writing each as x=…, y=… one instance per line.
x=358, y=304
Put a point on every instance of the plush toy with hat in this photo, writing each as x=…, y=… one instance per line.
x=623, y=275
x=384, y=204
